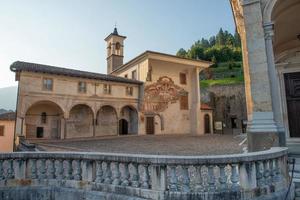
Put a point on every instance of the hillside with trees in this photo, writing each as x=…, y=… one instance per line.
x=223, y=49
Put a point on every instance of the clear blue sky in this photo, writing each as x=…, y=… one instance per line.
x=70, y=33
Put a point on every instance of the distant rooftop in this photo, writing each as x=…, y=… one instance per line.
x=19, y=66
x=10, y=116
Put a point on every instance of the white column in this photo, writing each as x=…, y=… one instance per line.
x=194, y=94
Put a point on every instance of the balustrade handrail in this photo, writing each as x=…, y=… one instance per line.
x=158, y=175
x=153, y=159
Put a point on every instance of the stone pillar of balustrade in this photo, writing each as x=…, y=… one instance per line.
x=159, y=177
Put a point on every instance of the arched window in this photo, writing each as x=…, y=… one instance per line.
x=118, y=46
x=44, y=118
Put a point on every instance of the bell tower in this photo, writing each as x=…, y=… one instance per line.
x=115, y=50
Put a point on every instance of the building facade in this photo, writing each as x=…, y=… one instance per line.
x=270, y=35
x=7, y=128
x=144, y=96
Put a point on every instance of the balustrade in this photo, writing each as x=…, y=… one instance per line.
x=194, y=174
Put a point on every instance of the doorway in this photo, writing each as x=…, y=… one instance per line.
x=150, y=125
x=123, y=127
x=292, y=88
x=207, y=124
x=40, y=132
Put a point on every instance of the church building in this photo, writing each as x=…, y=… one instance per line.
x=154, y=93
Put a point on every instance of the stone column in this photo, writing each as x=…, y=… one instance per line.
x=274, y=82
x=262, y=130
x=195, y=102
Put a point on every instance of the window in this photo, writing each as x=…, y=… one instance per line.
x=126, y=76
x=184, y=102
x=133, y=75
x=1, y=130
x=44, y=118
x=118, y=46
x=107, y=89
x=82, y=87
x=48, y=84
x=182, y=77
x=129, y=91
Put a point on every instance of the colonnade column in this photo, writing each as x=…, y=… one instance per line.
x=195, y=102
x=274, y=82
x=262, y=132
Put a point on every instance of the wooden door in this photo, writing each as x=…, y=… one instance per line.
x=292, y=88
x=150, y=125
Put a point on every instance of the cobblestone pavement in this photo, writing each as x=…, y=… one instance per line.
x=164, y=145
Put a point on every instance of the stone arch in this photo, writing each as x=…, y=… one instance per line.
x=268, y=10
x=130, y=114
x=106, y=121
x=80, y=122
x=43, y=119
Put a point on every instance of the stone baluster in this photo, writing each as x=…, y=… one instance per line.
x=51, y=169
x=222, y=178
x=42, y=169
x=135, y=175
x=211, y=178
x=199, y=184
x=99, y=172
x=267, y=177
x=78, y=170
x=60, y=169
x=108, y=173
x=145, y=178
x=259, y=173
x=20, y=169
x=277, y=176
x=125, y=175
x=116, y=174
x=33, y=169
x=69, y=170
x=185, y=179
x=272, y=170
x=10, y=169
x=173, y=179
x=158, y=177
x=1, y=170
x=234, y=176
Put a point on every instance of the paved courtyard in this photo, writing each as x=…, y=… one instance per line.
x=167, y=145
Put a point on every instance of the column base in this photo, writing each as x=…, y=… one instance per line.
x=263, y=133
x=262, y=141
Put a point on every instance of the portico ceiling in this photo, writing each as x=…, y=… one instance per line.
x=286, y=17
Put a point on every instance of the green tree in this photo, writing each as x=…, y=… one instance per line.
x=181, y=53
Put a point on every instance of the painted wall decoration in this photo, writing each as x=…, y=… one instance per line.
x=158, y=95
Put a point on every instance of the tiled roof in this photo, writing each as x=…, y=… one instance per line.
x=10, y=116
x=19, y=66
x=205, y=106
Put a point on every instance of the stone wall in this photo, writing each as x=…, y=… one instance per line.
x=229, y=104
